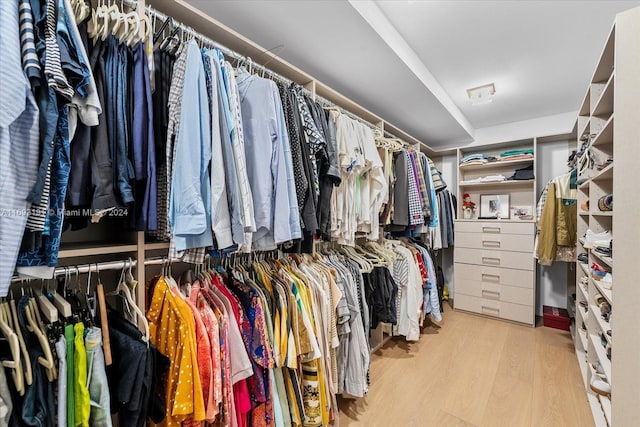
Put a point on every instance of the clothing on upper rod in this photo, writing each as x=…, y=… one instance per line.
x=556, y=215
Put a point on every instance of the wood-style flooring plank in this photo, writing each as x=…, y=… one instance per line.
x=473, y=371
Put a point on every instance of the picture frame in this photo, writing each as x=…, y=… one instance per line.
x=494, y=206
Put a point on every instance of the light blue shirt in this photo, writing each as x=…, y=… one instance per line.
x=19, y=143
x=190, y=203
x=269, y=163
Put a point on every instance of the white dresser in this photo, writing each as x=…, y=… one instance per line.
x=495, y=269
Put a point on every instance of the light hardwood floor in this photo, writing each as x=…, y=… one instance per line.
x=474, y=371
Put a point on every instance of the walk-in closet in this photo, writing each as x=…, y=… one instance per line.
x=319, y=213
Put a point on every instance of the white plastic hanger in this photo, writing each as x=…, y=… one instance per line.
x=124, y=290
x=33, y=325
x=15, y=363
x=12, y=312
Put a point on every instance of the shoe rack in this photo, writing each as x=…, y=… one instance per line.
x=609, y=122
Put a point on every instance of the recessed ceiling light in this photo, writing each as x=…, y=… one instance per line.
x=482, y=94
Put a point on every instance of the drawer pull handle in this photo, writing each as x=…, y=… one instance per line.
x=491, y=294
x=491, y=243
x=491, y=229
x=491, y=277
x=489, y=260
x=491, y=309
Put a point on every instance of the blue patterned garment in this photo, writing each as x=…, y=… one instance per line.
x=47, y=255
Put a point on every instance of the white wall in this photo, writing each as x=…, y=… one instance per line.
x=552, y=280
x=556, y=124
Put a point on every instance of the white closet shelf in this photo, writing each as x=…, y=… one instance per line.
x=497, y=165
x=584, y=107
x=585, y=268
x=586, y=127
x=605, y=137
x=583, y=292
x=72, y=250
x=523, y=183
x=582, y=213
x=583, y=337
x=606, y=407
x=602, y=355
x=600, y=213
x=605, y=174
x=605, y=259
x=604, y=104
x=604, y=325
x=605, y=292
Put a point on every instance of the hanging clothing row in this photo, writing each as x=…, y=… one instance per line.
x=272, y=342
x=556, y=214
x=75, y=145
x=417, y=201
x=74, y=360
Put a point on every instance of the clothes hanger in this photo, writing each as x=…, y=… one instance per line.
x=34, y=327
x=15, y=363
x=108, y=14
x=46, y=307
x=116, y=18
x=104, y=321
x=61, y=304
x=12, y=313
x=132, y=36
x=167, y=23
x=124, y=291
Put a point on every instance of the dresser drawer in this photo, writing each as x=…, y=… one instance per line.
x=489, y=258
x=500, y=309
x=495, y=227
x=497, y=241
x=493, y=291
x=494, y=275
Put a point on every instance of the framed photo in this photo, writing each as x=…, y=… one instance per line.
x=494, y=206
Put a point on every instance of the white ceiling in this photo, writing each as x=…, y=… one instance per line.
x=411, y=62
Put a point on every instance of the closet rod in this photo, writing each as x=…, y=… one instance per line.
x=243, y=59
x=346, y=112
x=95, y=267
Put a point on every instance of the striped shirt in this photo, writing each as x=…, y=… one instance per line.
x=30, y=60
x=52, y=66
x=38, y=214
x=19, y=143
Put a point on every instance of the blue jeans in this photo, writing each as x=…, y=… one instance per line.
x=97, y=379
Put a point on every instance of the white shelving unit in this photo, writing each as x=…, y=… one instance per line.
x=494, y=269
x=610, y=114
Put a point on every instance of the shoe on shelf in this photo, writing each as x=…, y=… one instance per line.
x=605, y=203
x=600, y=386
x=583, y=258
x=599, y=370
x=591, y=239
x=605, y=250
x=584, y=206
